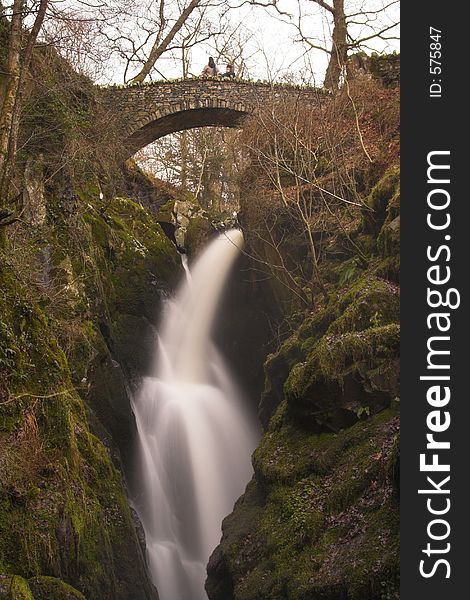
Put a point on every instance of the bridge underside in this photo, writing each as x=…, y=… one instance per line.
x=179, y=121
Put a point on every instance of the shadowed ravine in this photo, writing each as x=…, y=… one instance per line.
x=195, y=437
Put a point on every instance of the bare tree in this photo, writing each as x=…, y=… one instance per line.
x=162, y=41
x=353, y=27
x=134, y=35
x=19, y=55
x=231, y=46
x=11, y=82
x=302, y=183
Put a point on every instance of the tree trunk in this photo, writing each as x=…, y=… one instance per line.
x=15, y=121
x=184, y=134
x=339, y=47
x=10, y=86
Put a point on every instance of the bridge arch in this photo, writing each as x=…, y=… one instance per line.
x=181, y=120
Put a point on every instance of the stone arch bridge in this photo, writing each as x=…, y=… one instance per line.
x=146, y=112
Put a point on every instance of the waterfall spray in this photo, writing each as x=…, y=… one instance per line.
x=195, y=438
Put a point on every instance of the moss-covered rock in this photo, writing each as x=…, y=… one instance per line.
x=382, y=225
x=342, y=362
x=13, y=587
x=388, y=241
x=381, y=195
x=198, y=231
x=63, y=509
x=277, y=368
x=51, y=588
x=166, y=212
x=319, y=520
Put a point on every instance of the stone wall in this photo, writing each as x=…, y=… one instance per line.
x=386, y=68
x=383, y=67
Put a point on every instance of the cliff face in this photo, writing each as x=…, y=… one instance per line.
x=79, y=293
x=320, y=518
x=82, y=278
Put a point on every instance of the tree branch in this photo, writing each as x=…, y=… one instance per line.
x=158, y=49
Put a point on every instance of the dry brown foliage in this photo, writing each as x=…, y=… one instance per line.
x=22, y=459
x=311, y=170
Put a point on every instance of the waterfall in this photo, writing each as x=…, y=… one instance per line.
x=195, y=437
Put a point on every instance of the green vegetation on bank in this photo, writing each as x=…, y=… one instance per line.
x=70, y=336
x=320, y=518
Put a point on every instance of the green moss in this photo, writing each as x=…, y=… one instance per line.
x=279, y=364
x=135, y=257
x=13, y=587
x=383, y=193
x=388, y=241
x=165, y=212
x=50, y=588
x=382, y=225
x=345, y=377
x=341, y=363
x=198, y=232
x=286, y=452
x=287, y=354
x=336, y=354
x=372, y=302
x=326, y=524
x=99, y=229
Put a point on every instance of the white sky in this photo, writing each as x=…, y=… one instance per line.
x=272, y=48
x=275, y=50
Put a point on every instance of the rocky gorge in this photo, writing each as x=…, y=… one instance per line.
x=83, y=278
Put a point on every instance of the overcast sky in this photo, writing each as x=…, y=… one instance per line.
x=272, y=46
x=275, y=49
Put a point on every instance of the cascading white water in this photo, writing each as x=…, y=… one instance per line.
x=195, y=438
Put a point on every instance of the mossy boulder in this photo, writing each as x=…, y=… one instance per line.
x=13, y=587
x=50, y=588
x=344, y=377
x=319, y=519
x=342, y=362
